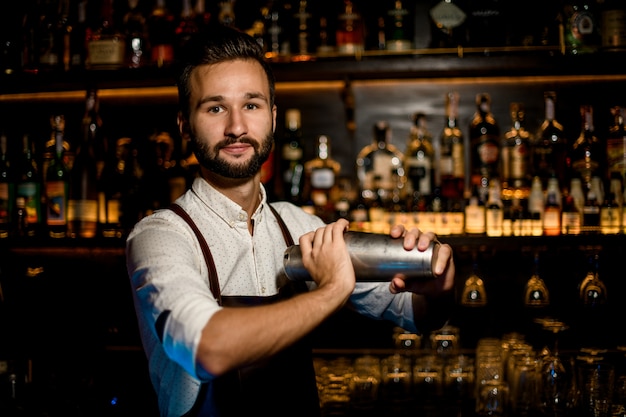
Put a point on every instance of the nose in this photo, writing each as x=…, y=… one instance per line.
x=236, y=125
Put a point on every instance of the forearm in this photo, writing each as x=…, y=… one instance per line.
x=236, y=337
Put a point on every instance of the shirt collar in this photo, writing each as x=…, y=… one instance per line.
x=229, y=211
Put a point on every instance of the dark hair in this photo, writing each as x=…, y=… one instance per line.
x=213, y=45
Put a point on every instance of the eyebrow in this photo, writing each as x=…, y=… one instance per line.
x=218, y=98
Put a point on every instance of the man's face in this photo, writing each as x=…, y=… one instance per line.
x=231, y=120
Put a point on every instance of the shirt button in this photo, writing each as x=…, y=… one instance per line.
x=242, y=217
x=263, y=289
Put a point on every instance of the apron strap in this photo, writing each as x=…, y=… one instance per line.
x=208, y=258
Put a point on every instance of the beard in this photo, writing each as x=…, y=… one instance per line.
x=209, y=157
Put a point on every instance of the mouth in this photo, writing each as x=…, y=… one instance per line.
x=236, y=149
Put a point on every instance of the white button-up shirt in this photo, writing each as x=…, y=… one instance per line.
x=168, y=274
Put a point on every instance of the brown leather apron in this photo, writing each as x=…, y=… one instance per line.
x=283, y=385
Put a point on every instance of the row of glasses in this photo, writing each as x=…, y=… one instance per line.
x=592, y=290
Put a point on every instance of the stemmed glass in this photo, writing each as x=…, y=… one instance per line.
x=536, y=293
x=556, y=376
x=592, y=289
x=474, y=293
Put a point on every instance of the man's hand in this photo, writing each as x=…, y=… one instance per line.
x=326, y=257
x=443, y=269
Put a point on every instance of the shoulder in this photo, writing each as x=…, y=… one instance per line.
x=297, y=220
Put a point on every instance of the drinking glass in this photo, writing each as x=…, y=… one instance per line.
x=556, y=376
x=536, y=292
x=474, y=293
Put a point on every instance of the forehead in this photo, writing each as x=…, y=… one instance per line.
x=229, y=78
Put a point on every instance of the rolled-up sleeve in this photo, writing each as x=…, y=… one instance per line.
x=374, y=300
x=168, y=277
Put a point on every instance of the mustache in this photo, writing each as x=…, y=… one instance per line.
x=232, y=141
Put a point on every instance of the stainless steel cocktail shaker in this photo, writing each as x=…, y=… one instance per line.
x=375, y=257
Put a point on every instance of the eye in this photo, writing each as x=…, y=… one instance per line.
x=214, y=109
x=251, y=106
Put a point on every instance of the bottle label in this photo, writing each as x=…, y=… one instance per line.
x=616, y=155
x=518, y=158
x=609, y=220
x=30, y=192
x=474, y=219
x=448, y=15
x=4, y=203
x=56, y=192
x=551, y=222
x=322, y=178
x=614, y=29
x=106, y=53
x=570, y=223
x=83, y=210
x=419, y=174
x=458, y=160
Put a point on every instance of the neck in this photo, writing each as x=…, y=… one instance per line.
x=246, y=192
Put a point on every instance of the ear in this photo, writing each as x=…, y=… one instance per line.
x=274, y=112
x=183, y=126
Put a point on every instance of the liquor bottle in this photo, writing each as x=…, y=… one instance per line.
x=203, y=16
x=586, y=152
x=398, y=35
x=7, y=189
x=324, y=46
x=106, y=45
x=552, y=209
x=134, y=198
x=226, y=14
x=581, y=34
x=321, y=179
x=47, y=41
x=303, y=48
x=276, y=41
x=161, y=30
x=536, y=204
x=57, y=121
x=78, y=34
x=57, y=184
x=577, y=193
x=494, y=213
x=448, y=23
x=170, y=180
x=292, y=154
x=136, y=33
x=571, y=216
x=186, y=27
x=380, y=167
x=616, y=144
x=113, y=184
x=515, y=150
x=452, y=153
x=610, y=215
x=475, y=221
x=591, y=211
x=484, y=135
x=82, y=213
x=350, y=33
x=11, y=44
x=419, y=157
x=28, y=189
x=550, y=147
x=613, y=26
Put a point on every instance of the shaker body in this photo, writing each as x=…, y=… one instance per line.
x=375, y=257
